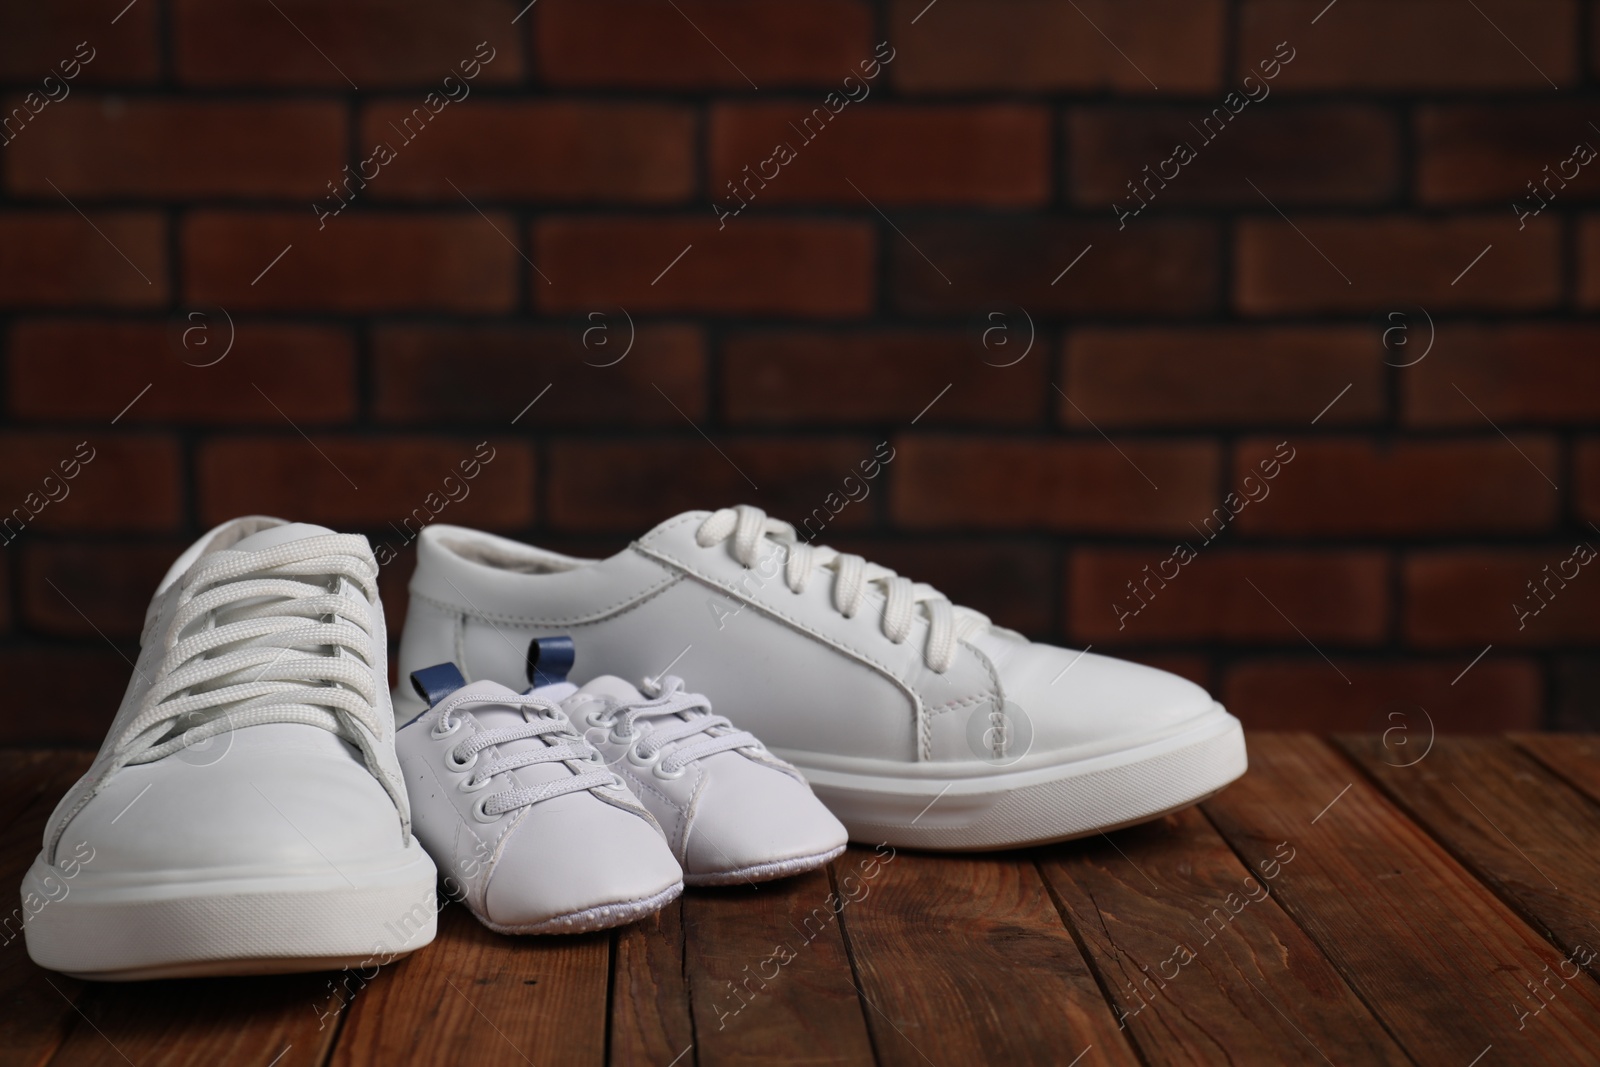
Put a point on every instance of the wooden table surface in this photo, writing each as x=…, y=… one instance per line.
x=1344, y=903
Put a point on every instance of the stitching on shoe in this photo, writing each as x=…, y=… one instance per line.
x=601, y=615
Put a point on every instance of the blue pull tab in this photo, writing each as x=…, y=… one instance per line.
x=435, y=683
x=549, y=660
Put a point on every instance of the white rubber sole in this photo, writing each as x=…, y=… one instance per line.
x=765, y=872
x=599, y=917
x=978, y=807
x=354, y=917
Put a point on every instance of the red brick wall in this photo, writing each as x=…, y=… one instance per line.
x=951, y=263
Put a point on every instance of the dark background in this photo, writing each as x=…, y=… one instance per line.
x=1341, y=268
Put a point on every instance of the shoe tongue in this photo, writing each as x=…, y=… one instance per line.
x=610, y=686
x=277, y=535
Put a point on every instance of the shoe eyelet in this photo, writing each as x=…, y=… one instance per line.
x=668, y=776
x=439, y=735
x=455, y=764
x=614, y=738
x=480, y=812
x=617, y=781
x=597, y=721
x=471, y=784
x=642, y=761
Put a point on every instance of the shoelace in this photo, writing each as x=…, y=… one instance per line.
x=551, y=725
x=674, y=716
x=272, y=648
x=948, y=624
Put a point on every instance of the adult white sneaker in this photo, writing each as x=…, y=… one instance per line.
x=528, y=825
x=917, y=722
x=246, y=813
x=731, y=811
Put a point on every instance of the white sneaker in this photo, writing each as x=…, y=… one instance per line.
x=246, y=813
x=730, y=810
x=530, y=828
x=917, y=722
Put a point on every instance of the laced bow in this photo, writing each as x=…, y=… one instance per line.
x=559, y=744
x=254, y=640
x=904, y=600
x=670, y=717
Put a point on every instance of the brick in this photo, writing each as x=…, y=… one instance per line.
x=124, y=484
x=1160, y=268
x=357, y=262
x=794, y=376
x=80, y=685
x=1221, y=376
x=1586, y=472
x=1010, y=580
x=373, y=43
x=376, y=483
x=90, y=590
x=1468, y=597
x=566, y=151
x=1306, y=153
x=1588, y=262
x=1028, y=45
x=1393, y=262
x=152, y=147
x=1065, y=486
x=1487, y=153
x=991, y=155
x=37, y=39
x=1355, y=486
x=1577, y=696
x=1424, y=44
x=56, y=259
x=814, y=267
x=94, y=369
x=633, y=485
x=1526, y=373
x=1334, y=598
x=1404, y=703
x=464, y=374
x=703, y=44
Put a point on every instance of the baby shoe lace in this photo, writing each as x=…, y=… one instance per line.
x=559, y=744
x=671, y=717
x=948, y=624
x=281, y=635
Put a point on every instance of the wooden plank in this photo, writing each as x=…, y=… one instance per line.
x=769, y=978
x=481, y=998
x=1518, y=828
x=966, y=960
x=650, y=1020
x=34, y=1018
x=1574, y=757
x=1198, y=957
x=1434, y=954
x=201, y=1022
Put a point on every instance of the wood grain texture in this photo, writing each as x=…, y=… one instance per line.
x=966, y=960
x=1435, y=955
x=483, y=999
x=36, y=1007
x=1191, y=944
x=650, y=1020
x=1577, y=759
x=1521, y=831
x=769, y=979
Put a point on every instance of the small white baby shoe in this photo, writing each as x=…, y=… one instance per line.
x=731, y=811
x=526, y=823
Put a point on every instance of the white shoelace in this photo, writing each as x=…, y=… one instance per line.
x=672, y=716
x=270, y=648
x=948, y=624
x=559, y=744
